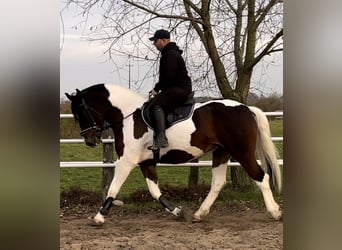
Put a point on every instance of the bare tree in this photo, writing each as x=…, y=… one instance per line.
x=223, y=40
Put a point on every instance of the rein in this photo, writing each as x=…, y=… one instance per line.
x=98, y=129
x=128, y=116
x=94, y=126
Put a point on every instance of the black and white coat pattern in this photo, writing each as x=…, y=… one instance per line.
x=224, y=127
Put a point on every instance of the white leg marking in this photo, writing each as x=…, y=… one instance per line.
x=153, y=188
x=155, y=192
x=217, y=182
x=122, y=170
x=99, y=218
x=271, y=206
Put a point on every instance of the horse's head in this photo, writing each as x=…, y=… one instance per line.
x=89, y=113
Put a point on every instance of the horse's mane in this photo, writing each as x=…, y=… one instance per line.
x=96, y=87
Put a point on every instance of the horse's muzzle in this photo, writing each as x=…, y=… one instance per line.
x=92, y=142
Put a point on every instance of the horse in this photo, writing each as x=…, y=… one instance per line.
x=224, y=127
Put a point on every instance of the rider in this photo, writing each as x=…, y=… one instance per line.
x=173, y=88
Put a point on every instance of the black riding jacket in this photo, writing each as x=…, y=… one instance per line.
x=172, y=70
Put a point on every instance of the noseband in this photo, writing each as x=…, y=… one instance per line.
x=94, y=126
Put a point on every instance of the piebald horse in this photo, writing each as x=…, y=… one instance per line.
x=224, y=127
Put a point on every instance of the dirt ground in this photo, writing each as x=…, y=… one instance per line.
x=143, y=224
x=223, y=228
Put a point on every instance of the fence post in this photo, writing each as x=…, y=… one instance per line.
x=193, y=175
x=108, y=157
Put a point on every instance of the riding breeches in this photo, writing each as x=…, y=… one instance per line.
x=169, y=99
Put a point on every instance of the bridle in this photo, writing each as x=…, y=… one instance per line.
x=94, y=125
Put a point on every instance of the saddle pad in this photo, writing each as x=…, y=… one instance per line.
x=179, y=114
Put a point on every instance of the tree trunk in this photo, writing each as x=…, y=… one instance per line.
x=240, y=179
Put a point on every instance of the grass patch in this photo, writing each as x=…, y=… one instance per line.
x=79, y=152
x=276, y=127
x=277, y=131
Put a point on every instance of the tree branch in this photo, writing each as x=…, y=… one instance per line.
x=163, y=15
x=195, y=25
x=193, y=6
x=237, y=37
x=266, y=50
x=263, y=12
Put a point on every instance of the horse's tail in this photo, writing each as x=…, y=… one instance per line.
x=266, y=149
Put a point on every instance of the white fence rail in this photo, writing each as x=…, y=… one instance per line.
x=92, y=164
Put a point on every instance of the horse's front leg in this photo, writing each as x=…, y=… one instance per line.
x=122, y=170
x=150, y=174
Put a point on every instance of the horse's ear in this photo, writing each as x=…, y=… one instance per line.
x=78, y=91
x=69, y=96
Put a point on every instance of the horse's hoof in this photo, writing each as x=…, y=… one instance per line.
x=92, y=223
x=196, y=219
x=181, y=216
x=98, y=219
x=279, y=216
x=276, y=215
x=177, y=211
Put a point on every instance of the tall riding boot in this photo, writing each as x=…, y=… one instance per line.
x=160, y=140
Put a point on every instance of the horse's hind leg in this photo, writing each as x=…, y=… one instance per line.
x=262, y=180
x=218, y=180
x=151, y=177
x=271, y=206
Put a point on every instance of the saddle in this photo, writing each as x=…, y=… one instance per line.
x=179, y=114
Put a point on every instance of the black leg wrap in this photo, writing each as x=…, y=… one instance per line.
x=106, y=206
x=166, y=203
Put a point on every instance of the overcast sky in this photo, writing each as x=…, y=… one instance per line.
x=82, y=63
